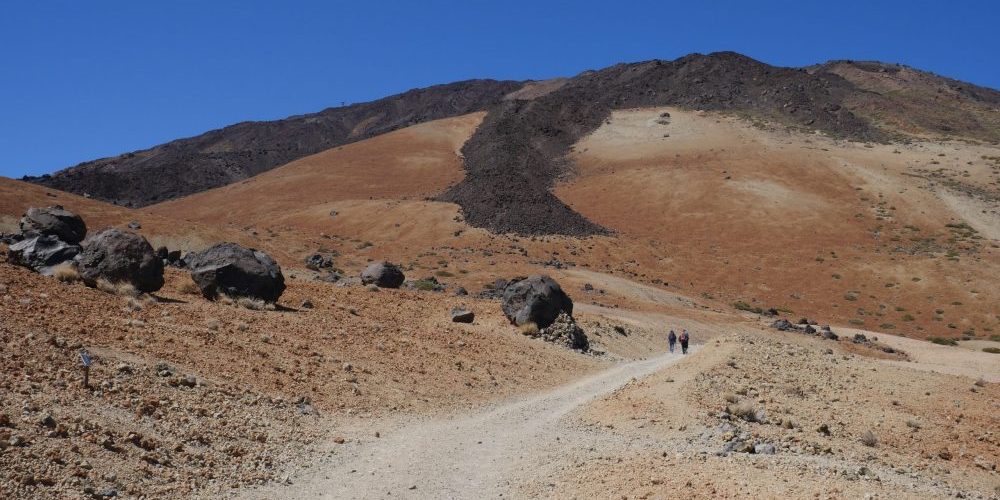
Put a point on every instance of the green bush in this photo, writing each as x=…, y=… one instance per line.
x=743, y=306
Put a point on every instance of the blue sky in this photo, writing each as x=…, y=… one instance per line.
x=86, y=79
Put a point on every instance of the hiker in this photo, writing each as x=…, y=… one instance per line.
x=672, y=339
x=684, y=342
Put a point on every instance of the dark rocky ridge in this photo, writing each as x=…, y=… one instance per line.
x=519, y=151
x=234, y=153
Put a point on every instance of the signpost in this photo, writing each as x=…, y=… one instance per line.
x=85, y=360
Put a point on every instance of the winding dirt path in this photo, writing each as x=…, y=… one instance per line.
x=478, y=455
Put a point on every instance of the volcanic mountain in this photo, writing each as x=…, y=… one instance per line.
x=812, y=228
x=515, y=157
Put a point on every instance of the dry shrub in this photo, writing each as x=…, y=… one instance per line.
x=66, y=273
x=254, y=304
x=528, y=329
x=189, y=288
x=913, y=424
x=133, y=304
x=732, y=398
x=744, y=410
x=213, y=324
x=122, y=288
x=869, y=439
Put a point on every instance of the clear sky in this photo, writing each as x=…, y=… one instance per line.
x=86, y=79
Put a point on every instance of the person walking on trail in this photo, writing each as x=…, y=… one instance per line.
x=684, y=342
x=672, y=339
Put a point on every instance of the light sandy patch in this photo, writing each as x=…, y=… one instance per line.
x=982, y=216
x=938, y=358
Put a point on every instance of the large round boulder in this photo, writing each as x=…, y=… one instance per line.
x=121, y=257
x=41, y=253
x=383, y=275
x=535, y=299
x=236, y=271
x=53, y=221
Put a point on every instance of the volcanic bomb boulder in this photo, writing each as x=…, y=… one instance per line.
x=236, y=271
x=121, y=257
x=535, y=299
x=42, y=253
x=383, y=274
x=53, y=221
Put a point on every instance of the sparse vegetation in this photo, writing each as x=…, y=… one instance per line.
x=189, y=288
x=66, y=273
x=743, y=306
x=943, y=341
x=869, y=439
x=992, y=350
x=123, y=288
x=528, y=329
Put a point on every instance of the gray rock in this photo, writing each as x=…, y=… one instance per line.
x=236, y=271
x=535, y=299
x=764, y=449
x=318, y=261
x=738, y=446
x=42, y=253
x=134, y=225
x=383, y=274
x=462, y=315
x=565, y=331
x=120, y=256
x=783, y=325
x=53, y=221
x=461, y=292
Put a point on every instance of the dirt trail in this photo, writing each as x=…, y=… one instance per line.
x=469, y=456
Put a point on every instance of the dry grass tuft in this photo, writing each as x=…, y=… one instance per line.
x=869, y=439
x=133, y=304
x=189, y=288
x=744, y=410
x=213, y=324
x=528, y=329
x=66, y=273
x=732, y=398
x=122, y=288
x=254, y=304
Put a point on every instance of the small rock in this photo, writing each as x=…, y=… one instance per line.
x=307, y=304
x=764, y=449
x=459, y=315
x=47, y=421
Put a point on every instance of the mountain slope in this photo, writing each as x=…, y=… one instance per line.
x=518, y=154
x=233, y=153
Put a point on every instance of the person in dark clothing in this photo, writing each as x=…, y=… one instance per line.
x=672, y=339
x=684, y=342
